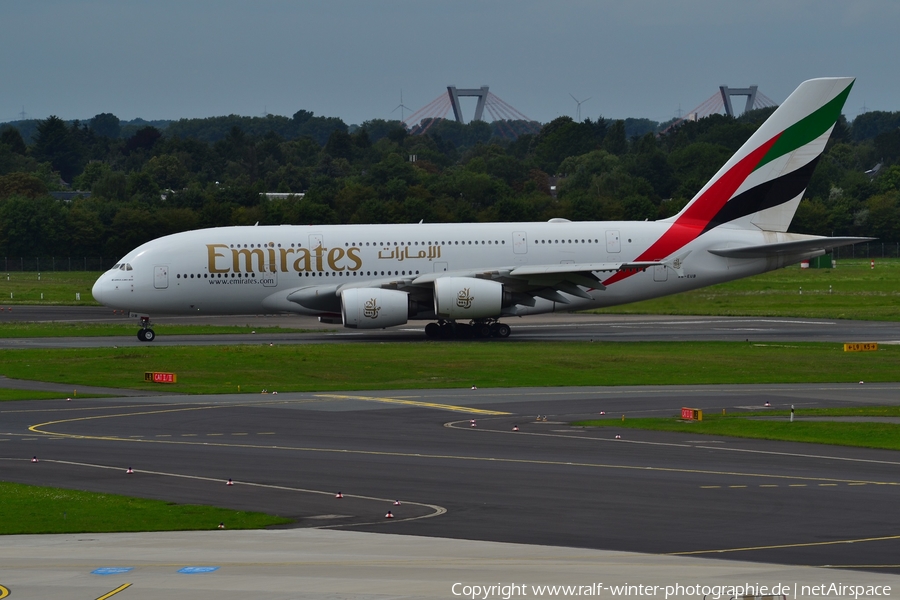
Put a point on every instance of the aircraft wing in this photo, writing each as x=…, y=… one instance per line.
x=525, y=282
x=797, y=247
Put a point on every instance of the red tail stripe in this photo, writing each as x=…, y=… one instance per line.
x=692, y=223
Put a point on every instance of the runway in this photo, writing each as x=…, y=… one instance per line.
x=553, y=327
x=571, y=496
x=548, y=483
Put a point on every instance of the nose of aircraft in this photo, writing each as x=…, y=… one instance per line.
x=99, y=288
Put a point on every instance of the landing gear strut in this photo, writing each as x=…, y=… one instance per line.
x=145, y=334
x=481, y=328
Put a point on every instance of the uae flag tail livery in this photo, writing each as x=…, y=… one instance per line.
x=466, y=277
x=760, y=187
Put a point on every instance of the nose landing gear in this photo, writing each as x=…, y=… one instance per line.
x=145, y=334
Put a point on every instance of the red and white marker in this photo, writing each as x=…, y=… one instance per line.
x=515, y=427
x=130, y=471
x=389, y=515
x=229, y=482
x=34, y=459
x=221, y=525
x=618, y=437
x=339, y=495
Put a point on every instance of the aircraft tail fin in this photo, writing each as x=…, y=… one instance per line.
x=761, y=186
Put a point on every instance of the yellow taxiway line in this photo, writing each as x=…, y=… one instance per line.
x=417, y=403
x=780, y=546
x=115, y=591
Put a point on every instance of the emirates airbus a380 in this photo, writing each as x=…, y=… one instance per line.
x=466, y=277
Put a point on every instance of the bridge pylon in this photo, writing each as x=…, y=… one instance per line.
x=455, y=94
x=728, y=92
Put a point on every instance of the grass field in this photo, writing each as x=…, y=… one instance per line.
x=34, y=509
x=7, y=395
x=225, y=369
x=853, y=290
x=49, y=287
x=776, y=425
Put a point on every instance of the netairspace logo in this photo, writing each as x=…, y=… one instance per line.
x=711, y=592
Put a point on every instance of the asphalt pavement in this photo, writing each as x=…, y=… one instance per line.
x=492, y=483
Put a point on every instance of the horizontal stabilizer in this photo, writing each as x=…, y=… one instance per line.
x=781, y=248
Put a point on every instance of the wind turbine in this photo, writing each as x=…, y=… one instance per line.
x=401, y=106
x=578, y=109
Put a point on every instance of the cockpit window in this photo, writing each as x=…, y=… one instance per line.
x=128, y=267
x=115, y=266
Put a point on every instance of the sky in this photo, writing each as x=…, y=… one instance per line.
x=352, y=58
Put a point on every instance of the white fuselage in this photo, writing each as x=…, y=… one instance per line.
x=252, y=270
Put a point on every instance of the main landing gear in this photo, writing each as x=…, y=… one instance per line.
x=145, y=334
x=482, y=328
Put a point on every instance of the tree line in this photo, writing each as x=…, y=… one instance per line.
x=150, y=180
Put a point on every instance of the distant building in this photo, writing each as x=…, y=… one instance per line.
x=282, y=195
x=69, y=196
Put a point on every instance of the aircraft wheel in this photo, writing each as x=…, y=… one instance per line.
x=483, y=330
x=447, y=331
x=149, y=335
x=432, y=331
x=502, y=330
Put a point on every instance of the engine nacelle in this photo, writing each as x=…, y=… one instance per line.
x=467, y=298
x=374, y=308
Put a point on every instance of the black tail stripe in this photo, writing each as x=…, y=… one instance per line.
x=766, y=195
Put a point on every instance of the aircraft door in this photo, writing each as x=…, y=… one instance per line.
x=660, y=273
x=613, y=244
x=161, y=277
x=520, y=242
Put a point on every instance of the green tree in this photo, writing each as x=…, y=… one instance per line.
x=86, y=230
x=167, y=171
x=21, y=184
x=560, y=139
x=339, y=145
x=32, y=227
x=111, y=185
x=56, y=144
x=889, y=179
x=106, y=125
x=615, y=142
x=92, y=173
x=143, y=139
x=884, y=215
x=13, y=139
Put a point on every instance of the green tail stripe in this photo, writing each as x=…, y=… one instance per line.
x=807, y=129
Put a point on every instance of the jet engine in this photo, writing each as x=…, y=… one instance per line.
x=467, y=298
x=374, y=308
